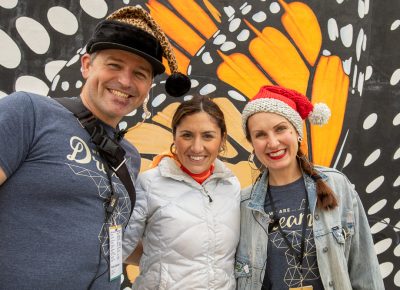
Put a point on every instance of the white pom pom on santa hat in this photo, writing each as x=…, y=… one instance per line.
x=320, y=114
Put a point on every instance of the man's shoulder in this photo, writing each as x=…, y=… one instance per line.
x=19, y=98
x=23, y=95
x=130, y=148
x=23, y=99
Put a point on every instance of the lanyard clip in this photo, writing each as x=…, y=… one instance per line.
x=112, y=204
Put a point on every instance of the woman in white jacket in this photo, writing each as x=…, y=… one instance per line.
x=187, y=212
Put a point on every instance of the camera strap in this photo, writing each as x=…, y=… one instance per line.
x=109, y=149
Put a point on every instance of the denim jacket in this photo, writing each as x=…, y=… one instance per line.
x=345, y=250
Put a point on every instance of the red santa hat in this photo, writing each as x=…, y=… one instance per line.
x=288, y=103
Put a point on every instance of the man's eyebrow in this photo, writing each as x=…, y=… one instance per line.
x=117, y=59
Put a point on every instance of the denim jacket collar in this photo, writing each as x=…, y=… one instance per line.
x=257, y=197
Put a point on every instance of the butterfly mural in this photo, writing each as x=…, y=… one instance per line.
x=229, y=55
x=230, y=49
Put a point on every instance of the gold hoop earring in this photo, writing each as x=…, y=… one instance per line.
x=251, y=162
x=172, y=149
x=222, y=153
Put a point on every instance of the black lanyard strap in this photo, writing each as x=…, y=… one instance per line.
x=109, y=149
x=297, y=256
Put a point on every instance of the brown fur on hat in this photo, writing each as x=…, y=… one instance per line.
x=133, y=29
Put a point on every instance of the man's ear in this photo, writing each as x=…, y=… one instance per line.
x=85, y=65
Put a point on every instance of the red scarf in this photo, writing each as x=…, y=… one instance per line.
x=200, y=177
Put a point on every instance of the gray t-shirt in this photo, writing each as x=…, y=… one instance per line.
x=52, y=216
x=282, y=269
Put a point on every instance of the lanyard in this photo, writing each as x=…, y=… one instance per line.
x=109, y=149
x=297, y=256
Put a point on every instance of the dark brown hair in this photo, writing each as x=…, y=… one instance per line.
x=196, y=105
x=326, y=198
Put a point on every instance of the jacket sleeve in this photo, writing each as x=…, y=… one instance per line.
x=363, y=263
x=137, y=222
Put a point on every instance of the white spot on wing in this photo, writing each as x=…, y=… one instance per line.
x=34, y=34
x=10, y=56
x=62, y=20
x=31, y=84
x=95, y=8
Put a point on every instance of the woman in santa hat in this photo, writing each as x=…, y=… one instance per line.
x=302, y=226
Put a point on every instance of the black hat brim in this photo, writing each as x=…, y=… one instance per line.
x=157, y=66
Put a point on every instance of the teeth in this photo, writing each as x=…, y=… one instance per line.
x=277, y=153
x=120, y=94
x=196, y=157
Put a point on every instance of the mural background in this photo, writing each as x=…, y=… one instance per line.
x=342, y=52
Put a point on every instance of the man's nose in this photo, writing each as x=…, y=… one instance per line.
x=125, y=79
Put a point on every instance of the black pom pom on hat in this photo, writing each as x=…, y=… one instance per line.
x=177, y=84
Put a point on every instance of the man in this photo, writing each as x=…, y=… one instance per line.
x=62, y=206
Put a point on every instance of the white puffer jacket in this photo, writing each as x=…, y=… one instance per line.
x=189, y=242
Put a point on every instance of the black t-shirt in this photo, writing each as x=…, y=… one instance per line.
x=282, y=270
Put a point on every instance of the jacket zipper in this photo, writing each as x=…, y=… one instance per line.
x=207, y=193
